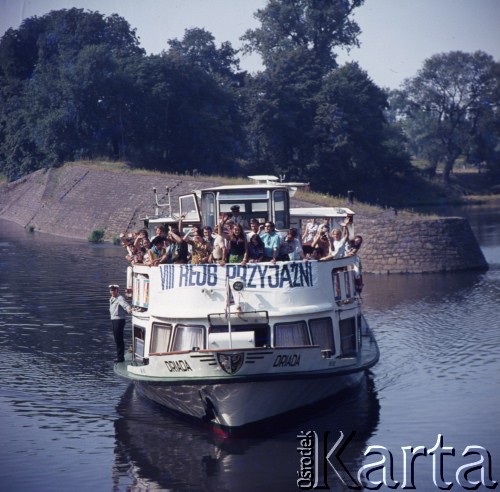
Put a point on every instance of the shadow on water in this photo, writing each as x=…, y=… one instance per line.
x=159, y=450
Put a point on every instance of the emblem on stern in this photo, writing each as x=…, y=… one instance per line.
x=231, y=363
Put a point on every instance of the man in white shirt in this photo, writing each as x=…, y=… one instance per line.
x=118, y=309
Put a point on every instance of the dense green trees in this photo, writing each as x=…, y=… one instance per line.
x=315, y=27
x=310, y=119
x=354, y=142
x=451, y=109
x=55, y=71
x=76, y=85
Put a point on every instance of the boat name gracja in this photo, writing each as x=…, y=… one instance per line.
x=236, y=344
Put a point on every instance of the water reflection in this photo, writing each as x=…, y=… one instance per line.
x=162, y=451
x=387, y=291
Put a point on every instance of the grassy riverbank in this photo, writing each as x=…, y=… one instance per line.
x=467, y=185
x=405, y=194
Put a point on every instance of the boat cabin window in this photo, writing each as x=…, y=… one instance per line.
x=140, y=291
x=139, y=335
x=291, y=334
x=322, y=333
x=160, y=337
x=348, y=337
x=336, y=286
x=188, y=338
x=260, y=333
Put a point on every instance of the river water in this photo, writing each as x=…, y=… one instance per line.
x=67, y=423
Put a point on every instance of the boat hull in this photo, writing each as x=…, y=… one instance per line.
x=236, y=402
x=266, y=383
x=239, y=404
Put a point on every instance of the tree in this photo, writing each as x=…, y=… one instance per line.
x=75, y=84
x=353, y=140
x=182, y=118
x=296, y=41
x=281, y=111
x=308, y=118
x=316, y=26
x=421, y=138
x=451, y=106
x=198, y=48
x=55, y=71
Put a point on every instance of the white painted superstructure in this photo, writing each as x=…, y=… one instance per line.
x=236, y=344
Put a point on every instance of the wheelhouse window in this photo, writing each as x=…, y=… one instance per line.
x=160, y=337
x=254, y=204
x=188, y=338
x=291, y=334
x=208, y=209
x=348, y=337
x=188, y=207
x=322, y=333
x=281, y=215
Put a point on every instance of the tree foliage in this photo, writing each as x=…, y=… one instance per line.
x=451, y=109
x=75, y=84
x=68, y=62
x=199, y=49
x=354, y=141
x=308, y=118
x=314, y=26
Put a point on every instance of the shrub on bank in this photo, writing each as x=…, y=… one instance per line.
x=96, y=236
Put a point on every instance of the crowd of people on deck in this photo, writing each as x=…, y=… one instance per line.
x=234, y=240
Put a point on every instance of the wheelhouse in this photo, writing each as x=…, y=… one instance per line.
x=266, y=202
x=260, y=202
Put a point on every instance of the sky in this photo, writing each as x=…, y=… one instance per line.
x=397, y=35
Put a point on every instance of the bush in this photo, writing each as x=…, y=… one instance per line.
x=97, y=236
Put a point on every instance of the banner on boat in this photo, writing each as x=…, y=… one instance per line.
x=294, y=275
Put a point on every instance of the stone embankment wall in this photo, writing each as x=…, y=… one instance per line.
x=75, y=200
x=397, y=245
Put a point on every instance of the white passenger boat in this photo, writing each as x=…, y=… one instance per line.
x=238, y=344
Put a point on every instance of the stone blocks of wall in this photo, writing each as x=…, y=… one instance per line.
x=419, y=246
